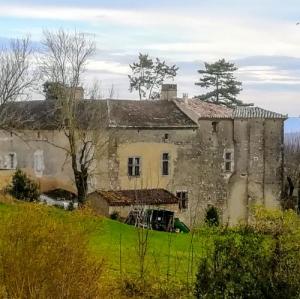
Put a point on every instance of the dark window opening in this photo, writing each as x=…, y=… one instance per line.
x=228, y=156
x=134, y=166
x=166, y=136
x=214, y=126
x=183, y=199
x=228, y=166
x=165, y=164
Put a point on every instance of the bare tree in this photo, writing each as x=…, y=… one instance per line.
x=64, y=65
x=95, y=90
x=16, y=74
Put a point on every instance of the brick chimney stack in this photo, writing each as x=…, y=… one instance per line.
x=168, y=92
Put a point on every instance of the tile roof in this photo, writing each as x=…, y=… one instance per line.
x=197, y=109
x=91, y=114
x=138, y=197
x=255, y=112
x=147, y=114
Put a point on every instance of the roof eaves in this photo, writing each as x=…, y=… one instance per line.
x=153, y=126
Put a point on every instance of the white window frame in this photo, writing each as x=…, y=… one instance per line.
x=38, y=162
x=133, y=166
x=10, y=163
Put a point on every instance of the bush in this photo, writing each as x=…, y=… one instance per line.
x=212, y=216
x=24, y=188
x=43, y=256
x=114, y=215
x=261, y=260
x=70, y=206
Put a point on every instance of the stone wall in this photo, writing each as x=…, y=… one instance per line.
x=197, y=163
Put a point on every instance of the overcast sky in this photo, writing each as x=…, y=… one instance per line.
x=260, y=36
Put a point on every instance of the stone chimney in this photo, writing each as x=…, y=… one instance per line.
x=185, y=98
x=79, y=93
x=168, y=92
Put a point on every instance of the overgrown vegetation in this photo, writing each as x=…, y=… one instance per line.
x=23, y=188
x=260, y=260
x=212, y=216
x=43, y=257
x=55, y=250
x=292, y=168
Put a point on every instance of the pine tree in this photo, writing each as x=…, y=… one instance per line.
x=148, y=75
x=224, y=88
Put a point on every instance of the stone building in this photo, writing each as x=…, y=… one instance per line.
x=202, y=153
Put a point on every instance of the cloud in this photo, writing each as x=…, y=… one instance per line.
x=108, y=66
x=265, y=47
x=203, y=36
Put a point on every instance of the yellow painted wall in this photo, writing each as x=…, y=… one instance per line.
x=151, y=164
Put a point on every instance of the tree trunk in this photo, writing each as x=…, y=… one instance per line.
x=81, y=185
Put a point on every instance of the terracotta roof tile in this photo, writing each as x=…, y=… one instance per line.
x=140, y=196
x=197, y=109
x=98, y=113
x=255, y=112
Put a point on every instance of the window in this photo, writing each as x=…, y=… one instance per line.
x=134, y=166
x=228, y=161
x=214, y=126
x=38, y=162
x=165, y=164
x=166, y=136
x=91, y=182
x=183, y=199
x=10, y=161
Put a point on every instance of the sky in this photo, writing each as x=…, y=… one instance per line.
x=260, y=36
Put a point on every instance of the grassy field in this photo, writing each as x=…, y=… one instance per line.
x=169, y=255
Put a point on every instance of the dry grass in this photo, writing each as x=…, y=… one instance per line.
x=43, y=257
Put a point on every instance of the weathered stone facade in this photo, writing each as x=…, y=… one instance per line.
x=221, y=157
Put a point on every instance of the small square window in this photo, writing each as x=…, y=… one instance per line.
x=228, y=166
x=228, y=156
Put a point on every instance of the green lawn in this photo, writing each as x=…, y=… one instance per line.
x=167, y=254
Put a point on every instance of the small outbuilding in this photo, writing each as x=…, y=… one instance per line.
x=124, y=201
